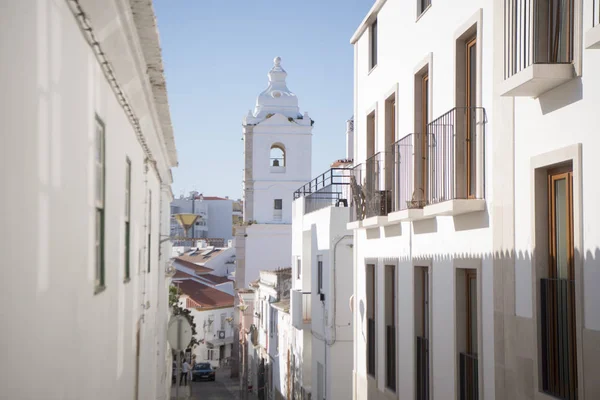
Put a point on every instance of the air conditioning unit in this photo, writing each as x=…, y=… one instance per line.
x=221, y=334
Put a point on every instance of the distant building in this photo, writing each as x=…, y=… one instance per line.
x=268, y=363
x=277, y=160
x=216, y=216
x=212, y=310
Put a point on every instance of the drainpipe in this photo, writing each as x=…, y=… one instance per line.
x=333, y=324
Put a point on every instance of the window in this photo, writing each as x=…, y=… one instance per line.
x=299, y=267
x=390, y=139
x=278, y=204
x=209, y=354
x=272, y=321
x=558, y=327
x=149, y=229
x=421, y=127
x=277, y=155
x=471, y=103
x=371, y=134
x=223, y=316
x=373, y=46
x=320, y=274
x=467, y=324
x=277, y=209
x=99, y=159
x=422, y=331
x=370, y=300
x=422, y=5
x=390, y=333
x=127, y=219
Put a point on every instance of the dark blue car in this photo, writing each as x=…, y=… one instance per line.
x=203, y=371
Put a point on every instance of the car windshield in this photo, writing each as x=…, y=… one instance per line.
x=202, y=366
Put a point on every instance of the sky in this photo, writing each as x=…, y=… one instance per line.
x=217, y=54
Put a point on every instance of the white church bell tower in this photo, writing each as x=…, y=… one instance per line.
x=277, y=161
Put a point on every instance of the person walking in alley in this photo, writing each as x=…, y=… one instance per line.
x=185, y=371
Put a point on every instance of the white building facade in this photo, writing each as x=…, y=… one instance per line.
x=277, y=160
x=86, y=175
x=468, y=200
x=216, y=216
x=322, y=334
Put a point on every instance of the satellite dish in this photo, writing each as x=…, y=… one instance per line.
x=179, y=333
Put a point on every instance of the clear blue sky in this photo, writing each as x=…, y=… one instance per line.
x=217, y=54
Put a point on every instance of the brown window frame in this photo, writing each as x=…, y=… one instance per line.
x=470, y=127
x=424, y=129
x=471, y=278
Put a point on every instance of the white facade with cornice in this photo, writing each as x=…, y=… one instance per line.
x=71, y=70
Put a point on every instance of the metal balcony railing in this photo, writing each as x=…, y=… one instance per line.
x=469, y=377
x=407, y=169
x=378, y=199
x=537, y=32
x=453, y=154
x=331, y=188
x=357, y=182
x=422, y=368
x=559, y=350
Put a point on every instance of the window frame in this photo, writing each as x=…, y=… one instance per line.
x=149, y=250
x=373, y=44
x=320, y=275
x=422, y=6
x=127, y=213
x=99, y=203
x=470, y=102
x=276, y=203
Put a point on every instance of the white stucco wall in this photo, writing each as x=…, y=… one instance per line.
x=441, y=241
x=267, y=248
x=317, y=235
x=53, y=88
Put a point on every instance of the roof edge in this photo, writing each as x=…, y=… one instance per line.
x=371, y=15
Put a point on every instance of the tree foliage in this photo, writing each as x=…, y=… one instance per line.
x=174, y=294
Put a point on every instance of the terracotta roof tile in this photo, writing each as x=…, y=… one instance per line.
x=206, y=296
x=197, y=268
x=217, y=280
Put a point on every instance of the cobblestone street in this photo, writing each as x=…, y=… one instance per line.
x=223, y=388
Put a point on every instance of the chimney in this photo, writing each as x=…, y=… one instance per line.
x=350, y=138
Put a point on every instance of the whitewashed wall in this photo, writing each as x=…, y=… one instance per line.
x=52, y=89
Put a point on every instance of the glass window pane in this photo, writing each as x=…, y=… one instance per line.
x=561, y=226
x=473, y=313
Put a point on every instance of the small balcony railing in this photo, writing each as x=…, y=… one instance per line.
x=378, y=199
x=422, y=368
x=453, y=154
x=537, y=32
x=331, y=188
x=301, y=308
x=407, y=167
x=469, y=377
x=559, y=351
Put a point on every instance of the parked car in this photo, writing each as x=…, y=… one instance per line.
x=203, y=371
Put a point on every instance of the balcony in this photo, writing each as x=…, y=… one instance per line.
x=371, y=201
x=538, y=46
x=408, y=202
x=301, y=309
x=332, y=188
x=592, y=37
x=453, y=174
x=469, y=377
